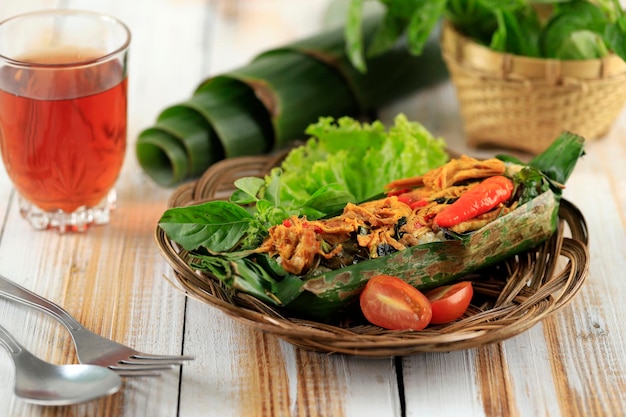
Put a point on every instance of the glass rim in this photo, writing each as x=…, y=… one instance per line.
x=60, y=12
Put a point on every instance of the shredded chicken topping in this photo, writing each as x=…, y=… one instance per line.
x=401, y=220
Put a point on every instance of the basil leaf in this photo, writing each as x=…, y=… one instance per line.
x=271, y=192
x=423, y=20
x=216, y=225
x=517, y=32
x=582, y=44
x=615, y=35
x=329, y=198
x=570, y=17
x=250, y=185
x=387, y=34
x=252, y=274
x=354, y=35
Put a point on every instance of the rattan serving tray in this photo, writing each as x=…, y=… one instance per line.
x=509, y=298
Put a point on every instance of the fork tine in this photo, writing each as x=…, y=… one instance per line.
x=134, y=372
x=123, y=366
x=163, y=363
x=161, y=358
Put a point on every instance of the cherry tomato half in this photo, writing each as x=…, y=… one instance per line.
x=449, y=302
x=391, y=303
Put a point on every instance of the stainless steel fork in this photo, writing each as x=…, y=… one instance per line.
x=90, y=347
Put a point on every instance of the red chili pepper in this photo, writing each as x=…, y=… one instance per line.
x=405, y=199
x=413, y=198
x=480, y=199
x=287, y=223
x=398, y=191
x=418, y=204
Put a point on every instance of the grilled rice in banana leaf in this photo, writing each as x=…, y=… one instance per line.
x=317, y=268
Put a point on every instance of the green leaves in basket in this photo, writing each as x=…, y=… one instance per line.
x=518, y=31
x=416, y=19
x=267, y=104
x=575, y=32
x=559, y=29
x=615, y=31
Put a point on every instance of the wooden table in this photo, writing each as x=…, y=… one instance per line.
x=114, y=280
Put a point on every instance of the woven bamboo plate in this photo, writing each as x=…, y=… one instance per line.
x=509, y=298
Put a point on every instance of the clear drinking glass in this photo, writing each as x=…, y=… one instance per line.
x=63, y=111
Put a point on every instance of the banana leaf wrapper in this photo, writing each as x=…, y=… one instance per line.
x=434, y=264
x=279, y=93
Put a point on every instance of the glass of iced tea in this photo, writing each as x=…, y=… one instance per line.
x=63, y=110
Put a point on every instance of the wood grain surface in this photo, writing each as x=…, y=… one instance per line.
x=114, y=281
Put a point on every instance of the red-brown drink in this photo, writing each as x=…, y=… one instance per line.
x=63, y=129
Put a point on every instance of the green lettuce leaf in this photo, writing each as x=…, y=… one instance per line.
x=358, y=158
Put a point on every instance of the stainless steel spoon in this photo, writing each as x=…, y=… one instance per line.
x=44, y=383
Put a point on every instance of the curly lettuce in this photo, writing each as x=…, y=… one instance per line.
x=357, y=158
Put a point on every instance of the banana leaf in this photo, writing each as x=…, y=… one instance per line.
x=293, y=86
x=325, y=295
x=195, y=134
x=434, y=264
x=277, y=79
x=240, y=122
x=162, y=156
x=389, y=76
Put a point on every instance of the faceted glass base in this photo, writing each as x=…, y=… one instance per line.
x=77, y=221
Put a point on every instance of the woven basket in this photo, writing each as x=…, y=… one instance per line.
x=524, y=103
x=509, y=298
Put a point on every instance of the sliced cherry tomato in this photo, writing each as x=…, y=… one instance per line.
x=391, y=303
x=449, y=302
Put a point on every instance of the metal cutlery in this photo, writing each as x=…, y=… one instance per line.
x=44, y=383
x=92, y=348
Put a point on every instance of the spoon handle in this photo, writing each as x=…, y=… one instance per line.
x=10, y=344
x=12, y=291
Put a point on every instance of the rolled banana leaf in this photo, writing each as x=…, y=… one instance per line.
x=388, y=76
x=276, y=78
x=179, y=146
x=268, y=103
x=233, y=111
x=325, y=295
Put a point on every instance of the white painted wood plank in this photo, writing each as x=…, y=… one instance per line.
x=591, y=332
x=441, y=384
x=239, y=371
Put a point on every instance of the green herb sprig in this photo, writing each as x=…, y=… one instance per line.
x=558, y=29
